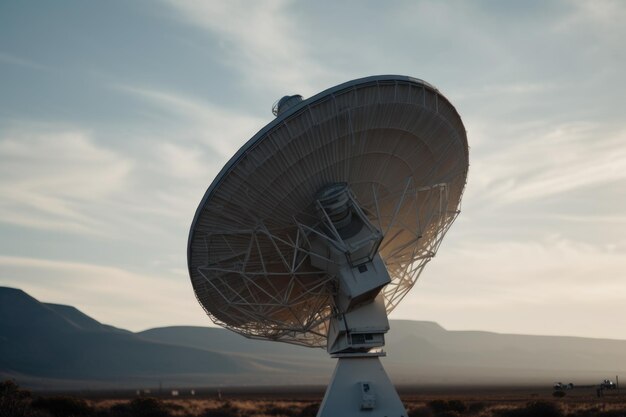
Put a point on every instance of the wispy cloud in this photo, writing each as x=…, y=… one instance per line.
x=603, y=20
x=198, y=121
x=551, y=286
x=188, y=146
x=260, y=41
x=111, y=294
x=499, y=92
x=48, y=175
x=541, y=164
x=15, y=60
x=183, y=162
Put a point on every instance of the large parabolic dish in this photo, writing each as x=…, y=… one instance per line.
x=399, y=145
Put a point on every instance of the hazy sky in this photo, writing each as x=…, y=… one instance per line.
x=115, y=116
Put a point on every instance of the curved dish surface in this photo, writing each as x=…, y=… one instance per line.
x=402, y=148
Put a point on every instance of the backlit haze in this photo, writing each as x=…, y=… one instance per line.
x=116, y=116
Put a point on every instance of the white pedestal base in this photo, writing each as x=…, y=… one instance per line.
x=360, y=387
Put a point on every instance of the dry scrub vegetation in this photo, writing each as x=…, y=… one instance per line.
x=16, y=402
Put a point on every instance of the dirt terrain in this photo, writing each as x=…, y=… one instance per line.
x=304, y=402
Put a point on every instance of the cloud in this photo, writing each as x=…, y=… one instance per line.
x=49, y=176
x=109, y=294
x=500, y=91
x=193, y=120
x=548, y=162
x=183, y=162
x=183, y=151
x=62, y=177
x=551, y=286
x=603, y=20
x=14, y=60
x=260, y=41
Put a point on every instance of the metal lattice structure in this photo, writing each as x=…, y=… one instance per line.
x=401, y=147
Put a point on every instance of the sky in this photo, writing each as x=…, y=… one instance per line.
x=116, y=116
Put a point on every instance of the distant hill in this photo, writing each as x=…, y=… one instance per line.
x=48, y=345
x=80, y=319
x=485, y=357
x=56, y=346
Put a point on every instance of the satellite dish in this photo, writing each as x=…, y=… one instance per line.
x=323, y=221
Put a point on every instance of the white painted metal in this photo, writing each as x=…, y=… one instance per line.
x=402, y=149
x=360, y=387
x=361, y=329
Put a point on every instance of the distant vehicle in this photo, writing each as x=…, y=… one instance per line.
x=559, y=386
x=608, y=384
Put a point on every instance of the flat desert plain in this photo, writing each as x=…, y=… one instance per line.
x=304, y=402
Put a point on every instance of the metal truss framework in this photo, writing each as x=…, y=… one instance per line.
x=402, y=149
x=268, y=289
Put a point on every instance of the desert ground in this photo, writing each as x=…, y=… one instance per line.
x=304, y=402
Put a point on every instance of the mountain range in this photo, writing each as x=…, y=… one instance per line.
x=52, y=346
